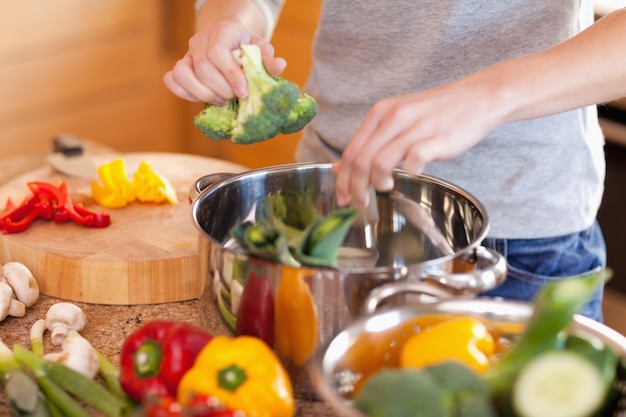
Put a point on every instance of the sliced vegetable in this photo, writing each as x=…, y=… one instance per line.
x=323, y=237
x=117, y=190
x=558, y=383
x=48, y=202
x=244, y=374
x=465, y=339
x=296, y=325
x=554, y=309
x=255, y=315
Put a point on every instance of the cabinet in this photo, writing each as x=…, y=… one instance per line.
x=92, y=68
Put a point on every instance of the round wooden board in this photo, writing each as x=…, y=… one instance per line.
x=149, y=253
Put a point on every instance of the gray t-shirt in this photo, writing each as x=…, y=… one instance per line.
x=536, y=178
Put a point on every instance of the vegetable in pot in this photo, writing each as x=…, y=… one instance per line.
x=449, y=389
x=296, y=324
x=465, y=339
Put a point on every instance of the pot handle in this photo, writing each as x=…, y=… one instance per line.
x=491, y=272
x=381, y=293
x=205, y=182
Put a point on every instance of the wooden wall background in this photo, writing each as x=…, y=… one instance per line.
x=94, y=69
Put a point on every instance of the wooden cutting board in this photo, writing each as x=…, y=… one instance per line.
x=149, y=253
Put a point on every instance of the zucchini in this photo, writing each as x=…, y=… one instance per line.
x=559, y=383
x=554, y=309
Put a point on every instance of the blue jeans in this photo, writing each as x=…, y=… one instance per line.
x=532, y=263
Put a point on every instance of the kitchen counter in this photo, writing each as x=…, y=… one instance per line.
x=108, y=325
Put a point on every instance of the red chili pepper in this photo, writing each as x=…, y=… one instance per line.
x=255, y=316
x=155, y=357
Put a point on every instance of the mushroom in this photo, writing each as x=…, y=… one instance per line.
x=22, y=281
x=9, y=306
x=77, y=353
x=63, y=317
x=6, y=295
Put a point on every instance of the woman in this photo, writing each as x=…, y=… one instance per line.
x=495, y=97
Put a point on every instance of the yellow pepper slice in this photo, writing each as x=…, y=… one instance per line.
x=464, y=339
x=151, y=186
x=116, y=189
x=243, y=373
x=296, y=321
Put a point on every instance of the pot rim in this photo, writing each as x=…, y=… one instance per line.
x=225, y=179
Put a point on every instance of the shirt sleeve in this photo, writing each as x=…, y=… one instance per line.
x=269, y=8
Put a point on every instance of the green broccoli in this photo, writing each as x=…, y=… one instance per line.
x=216, y=122
x=302, y=113
x=273, y=105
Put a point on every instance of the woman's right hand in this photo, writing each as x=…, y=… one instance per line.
x=209, y=72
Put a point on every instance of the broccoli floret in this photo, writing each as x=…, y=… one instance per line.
x=273, y=105
x=216, y=122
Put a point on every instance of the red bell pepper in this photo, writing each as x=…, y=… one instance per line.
x=255, y=316
x=154, y=357
x=48, y=202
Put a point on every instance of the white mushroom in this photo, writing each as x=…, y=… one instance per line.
x=9, y=306
x=22, y=281
x=6, y=295
x=77, y=353
x=63, y=317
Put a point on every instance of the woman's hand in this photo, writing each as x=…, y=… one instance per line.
x=209, y=72
x=413, y=130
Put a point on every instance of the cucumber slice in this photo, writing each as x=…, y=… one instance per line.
x=558, y=384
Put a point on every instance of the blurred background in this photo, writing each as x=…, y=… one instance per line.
x=94, y=69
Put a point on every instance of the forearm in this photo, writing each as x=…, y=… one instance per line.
x=259, y=16
x=588, y=69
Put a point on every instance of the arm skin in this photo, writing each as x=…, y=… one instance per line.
x=443, y=122
x=208, y=72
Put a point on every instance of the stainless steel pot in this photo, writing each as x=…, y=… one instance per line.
x=424, y=230
x=338, y=367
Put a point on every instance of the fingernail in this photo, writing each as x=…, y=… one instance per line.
x=219, y=101
x=240, y=90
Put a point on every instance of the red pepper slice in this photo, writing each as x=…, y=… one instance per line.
x=22, y=224
x=17, y=213
x=255, y=316
x=155, y=357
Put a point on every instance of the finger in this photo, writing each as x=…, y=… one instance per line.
x=184, y=76
x=364, y=166
x=174, y=87
x=220, y=68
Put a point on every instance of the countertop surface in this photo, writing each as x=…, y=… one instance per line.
x=108, y=325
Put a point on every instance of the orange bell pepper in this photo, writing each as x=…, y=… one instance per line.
x=296, y=320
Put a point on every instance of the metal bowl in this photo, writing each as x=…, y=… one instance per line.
x=338, y=370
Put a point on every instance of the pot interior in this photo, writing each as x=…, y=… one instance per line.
x=421, y=219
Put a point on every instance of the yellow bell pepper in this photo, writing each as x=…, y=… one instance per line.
x=116, y=189
x=296, y=321
x=151, y=186
x=243, y=373
x=463, y=339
